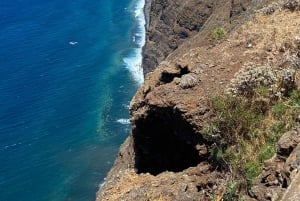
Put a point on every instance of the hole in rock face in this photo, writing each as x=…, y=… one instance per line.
x=164, y=141
x=168, y=77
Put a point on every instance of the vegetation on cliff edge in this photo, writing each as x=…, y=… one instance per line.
x=246, y=127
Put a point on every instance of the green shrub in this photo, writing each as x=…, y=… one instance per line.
x=217, y=34
x=236, y=117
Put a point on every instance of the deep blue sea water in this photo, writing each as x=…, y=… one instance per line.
x=68, y=70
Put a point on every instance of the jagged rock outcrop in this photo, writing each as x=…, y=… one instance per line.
x=166, y=156
x=280, y=170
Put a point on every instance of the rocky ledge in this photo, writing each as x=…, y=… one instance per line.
x=167, y=156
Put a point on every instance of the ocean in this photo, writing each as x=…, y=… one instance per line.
x=68, y=70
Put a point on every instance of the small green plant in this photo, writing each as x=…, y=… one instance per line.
x=278, y=128
x=279, y=109
x=267, y=151
x=217, y=156
x=231, y=192
x=252, y=170
x=217, y=34
x=295, y=97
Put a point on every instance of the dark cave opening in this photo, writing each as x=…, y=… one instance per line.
x=164, y=141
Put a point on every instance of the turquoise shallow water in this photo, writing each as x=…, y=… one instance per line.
x=68, y=70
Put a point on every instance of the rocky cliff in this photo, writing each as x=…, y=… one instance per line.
x=172, y=23
x=200, y=49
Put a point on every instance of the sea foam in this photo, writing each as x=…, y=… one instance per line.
x=134, y=60
x=124, y=121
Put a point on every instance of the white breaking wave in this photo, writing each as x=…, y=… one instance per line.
x=102, y=184
x=134, y=60
x=134, y=64
x=141, y=30
x=124, y=121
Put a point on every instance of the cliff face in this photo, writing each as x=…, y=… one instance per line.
x=173, y=22
x=166, y=156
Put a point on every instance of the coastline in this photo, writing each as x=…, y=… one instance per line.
x=133, y=63
x=146, y=15
x=147, y=9
x=134, y=60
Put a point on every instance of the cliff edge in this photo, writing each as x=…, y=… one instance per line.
x=182, y=146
